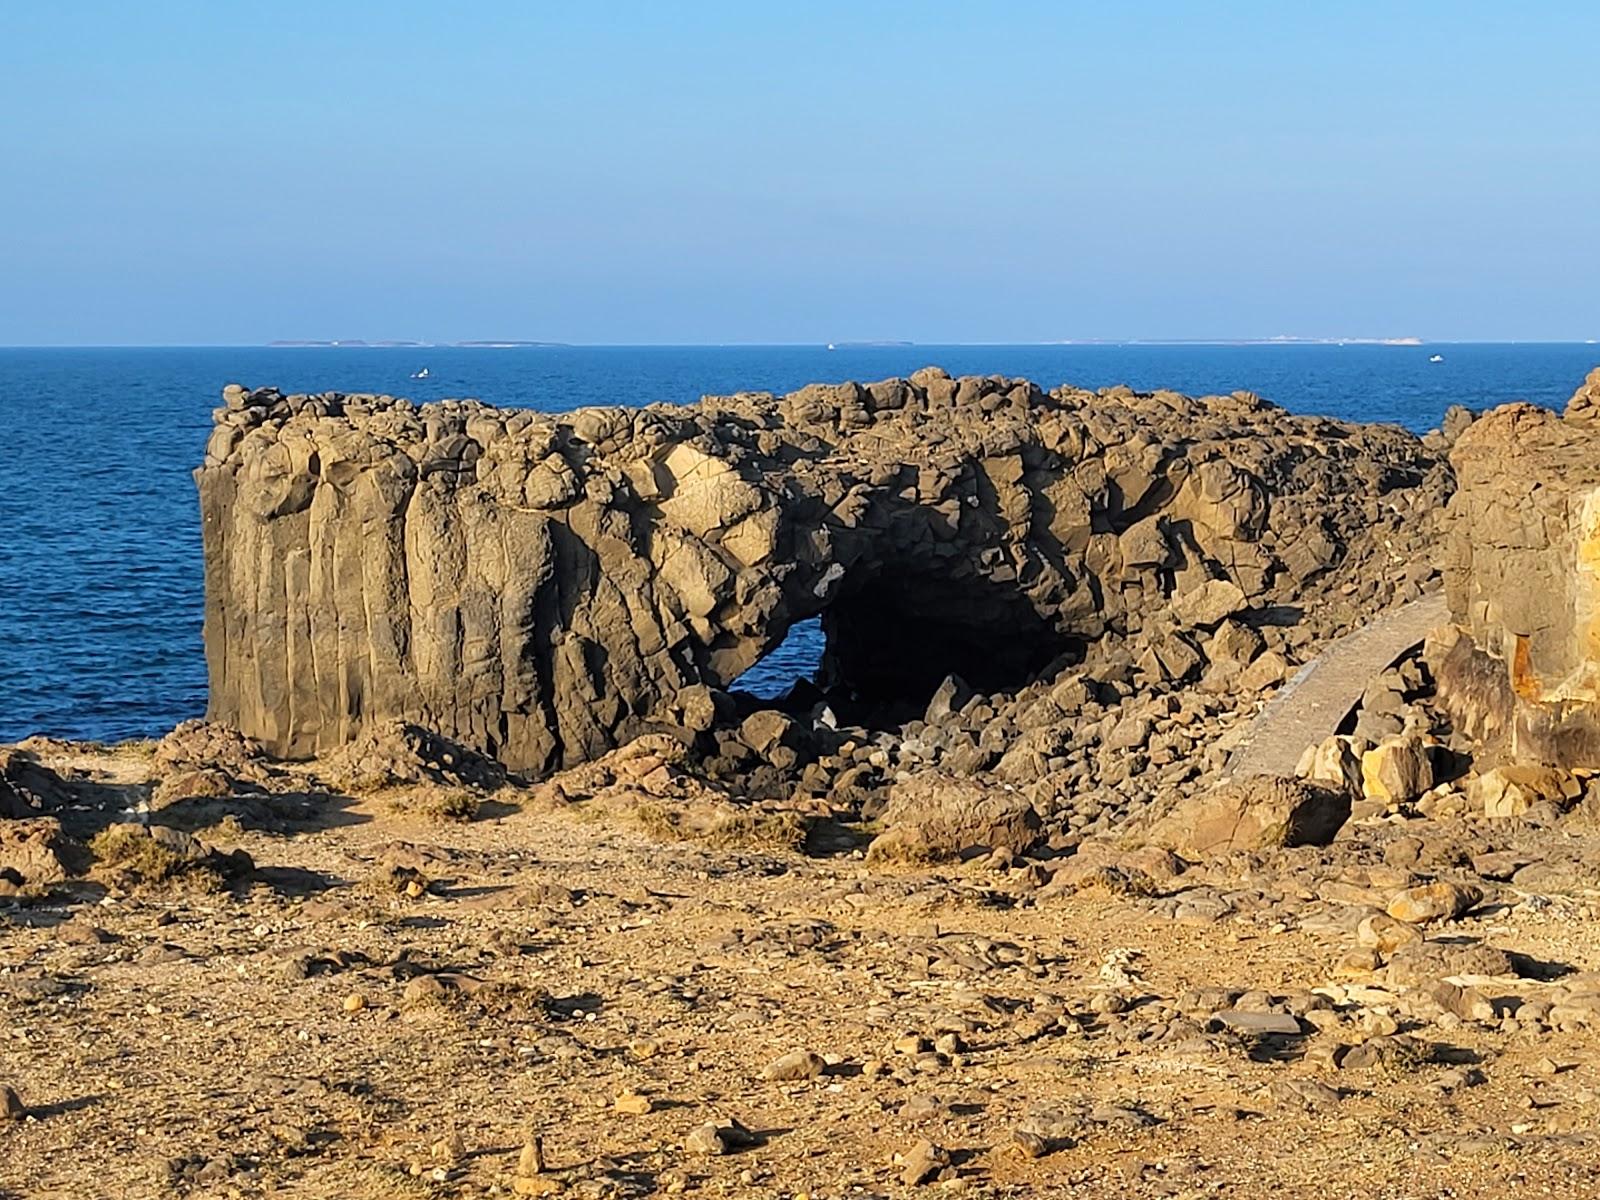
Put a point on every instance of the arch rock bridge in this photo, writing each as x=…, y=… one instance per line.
x=546, y=587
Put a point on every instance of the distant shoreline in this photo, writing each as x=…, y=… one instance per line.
x=357, y=344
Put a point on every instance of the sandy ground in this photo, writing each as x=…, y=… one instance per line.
x=610, y=994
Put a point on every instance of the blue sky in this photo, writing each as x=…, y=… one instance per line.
x=735, y=172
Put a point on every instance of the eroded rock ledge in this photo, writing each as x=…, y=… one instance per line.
x=543, y=588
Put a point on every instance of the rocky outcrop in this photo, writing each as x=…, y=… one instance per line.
x=26, y=786
x=1523, y=579
x=543, y=588
x=34, y=851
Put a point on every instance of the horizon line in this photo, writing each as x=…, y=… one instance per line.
x=855, y=345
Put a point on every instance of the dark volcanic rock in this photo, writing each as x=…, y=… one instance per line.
x=28, y=787
x=543, y=588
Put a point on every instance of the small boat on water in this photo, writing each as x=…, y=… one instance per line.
x=830, y=346
x=422, y=374
x=1437, y=358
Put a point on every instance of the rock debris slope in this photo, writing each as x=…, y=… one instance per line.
x=544, y=588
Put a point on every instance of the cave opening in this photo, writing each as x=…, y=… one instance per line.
x=792, y=662
x=882, y=646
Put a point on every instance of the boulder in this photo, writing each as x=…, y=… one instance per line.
x=1511, y=790
x=1333, y=763
x=934, y=816
x=1234, y=642
x=35, y=851
x=1209, y=603
x=1396, y=771
x=766, y=729
x=1268, y=670
x=1255, y=813
x=1434, y=902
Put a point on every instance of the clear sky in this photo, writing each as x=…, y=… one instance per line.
x=218, y=172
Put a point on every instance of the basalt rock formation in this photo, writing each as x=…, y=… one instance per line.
x=1523, y=580
x=542, y=588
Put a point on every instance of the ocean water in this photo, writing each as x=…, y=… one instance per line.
x=100, y=577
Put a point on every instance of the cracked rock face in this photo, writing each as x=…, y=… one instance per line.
x=543, y=588
x=1523, y=578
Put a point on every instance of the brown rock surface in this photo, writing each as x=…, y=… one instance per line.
x=1523, y=580
x=933, y=816
x=1431, y=902
x=1254, y=813
x=542, y=588
x=37, y=852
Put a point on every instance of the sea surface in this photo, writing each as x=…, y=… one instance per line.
x=100, y=577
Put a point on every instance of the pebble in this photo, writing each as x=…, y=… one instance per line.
x=923, y=1163
x=1029, y=1145
x=1467, y=1003
x=354, y=1002
x=535, y=1185
x=796, y=1065
x=706, y=1139
x=450, y=1149
x=425, y=988
x=634, y=1103
x=531, y=1160
x=923, y=1107
x=1385, y=934
x=1310, y=1094
x=1434, y=902
x=11, y=1106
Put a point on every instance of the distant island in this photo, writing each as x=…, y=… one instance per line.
x=508, y=345
x=1282, y=340
x=359, y=344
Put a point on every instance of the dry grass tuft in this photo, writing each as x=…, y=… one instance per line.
x=131, y=851
x=722, y=825
x=437, y=803
x=1119, y=881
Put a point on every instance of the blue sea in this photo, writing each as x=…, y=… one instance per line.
x=100, y=576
